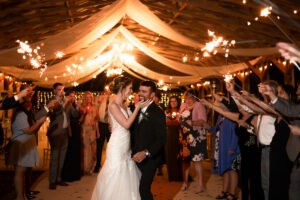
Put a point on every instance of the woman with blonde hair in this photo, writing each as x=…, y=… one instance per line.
x=89, y=132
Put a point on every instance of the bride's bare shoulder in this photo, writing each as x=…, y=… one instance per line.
x=113, y=106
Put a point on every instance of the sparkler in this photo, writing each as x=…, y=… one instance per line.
x=266, y=13
x=36, y=59
x=211, y=47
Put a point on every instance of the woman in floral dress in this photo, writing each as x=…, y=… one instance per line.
x=193, y=138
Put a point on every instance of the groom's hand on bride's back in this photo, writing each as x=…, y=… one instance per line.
x=139, y=156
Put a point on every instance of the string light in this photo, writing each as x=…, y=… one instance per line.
x=184, y=58
x=115, y=71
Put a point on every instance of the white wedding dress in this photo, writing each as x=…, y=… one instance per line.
x=119, y=177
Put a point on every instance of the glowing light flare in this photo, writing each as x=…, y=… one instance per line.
x=184, y=58
x=228, y=77
x=59, y=54
x=75, y=84
x=165, y=88
x=266, y=11
x=206, y=54
x=206, y=83
x=174, y=115
x=115, y=71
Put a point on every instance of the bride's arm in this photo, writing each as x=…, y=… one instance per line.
x=116, y=112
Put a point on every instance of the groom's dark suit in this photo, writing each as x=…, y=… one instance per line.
x=149, y=134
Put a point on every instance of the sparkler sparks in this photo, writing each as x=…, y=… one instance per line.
x=266, y=11
x=37, y=61
x=228, y=77
x=211, y=47
x=59, y=54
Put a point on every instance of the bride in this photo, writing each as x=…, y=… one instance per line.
x=119, y=177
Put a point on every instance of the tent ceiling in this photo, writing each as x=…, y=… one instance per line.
x=36, y=20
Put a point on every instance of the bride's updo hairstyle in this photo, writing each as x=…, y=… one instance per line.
x=119, y=83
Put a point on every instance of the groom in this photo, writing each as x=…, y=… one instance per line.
x=149, y=138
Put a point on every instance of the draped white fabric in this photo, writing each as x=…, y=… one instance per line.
x=86, y=40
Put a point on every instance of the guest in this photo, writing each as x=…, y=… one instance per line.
x=226, y=156
x=12, y=102
x=172, y=146
x=72, y=166
x=156, y=100
x=295, y=129
x=23, y=152
x=134, y=101
x=289, y=109
x=103, y=126
x=298, y=92
x=89, y=132
x=193, y=138
x=250, y=176
x=272, y=135
x=289, y=51
x=57, y=135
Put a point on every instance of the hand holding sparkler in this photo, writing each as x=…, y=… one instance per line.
x=51, y=104
x=289, y=52
x=295, y=130
x=25, y=92
x=218, y=98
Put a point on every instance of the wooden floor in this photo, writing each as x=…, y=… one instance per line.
x=162, y=188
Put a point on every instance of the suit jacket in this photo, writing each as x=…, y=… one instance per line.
x=56, y=119
x=290, y=110
x=9, y=103
x=150, y=132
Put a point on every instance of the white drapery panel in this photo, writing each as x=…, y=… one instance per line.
x=57, y=70
x=74, y=38
x=82, y=34
x=83, y=39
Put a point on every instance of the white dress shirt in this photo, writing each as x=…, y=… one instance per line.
x=266, y=129
x=143, y=110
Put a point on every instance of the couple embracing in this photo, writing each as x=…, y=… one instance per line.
x=132, y=156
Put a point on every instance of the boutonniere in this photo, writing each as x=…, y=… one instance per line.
x=145, y=115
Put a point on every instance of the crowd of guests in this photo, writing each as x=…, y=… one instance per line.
x=256, y=138
x=73, y=134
